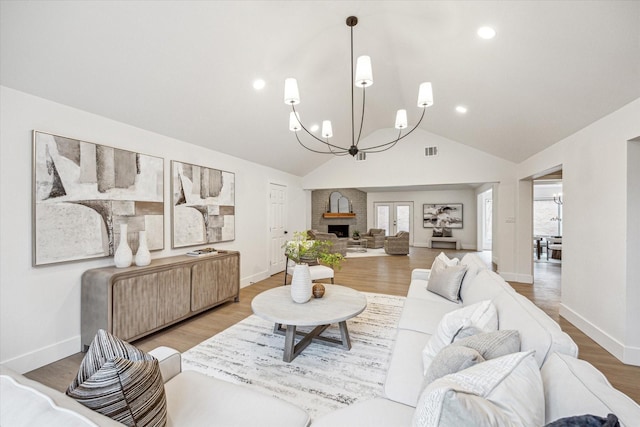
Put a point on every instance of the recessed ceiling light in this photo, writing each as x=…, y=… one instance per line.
x=461, y=109
x=486, y=33
x=259, y=84
x=314, y=128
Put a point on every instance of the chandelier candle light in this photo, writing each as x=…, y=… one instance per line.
x=363, y=79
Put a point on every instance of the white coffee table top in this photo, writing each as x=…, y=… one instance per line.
x=338, y=304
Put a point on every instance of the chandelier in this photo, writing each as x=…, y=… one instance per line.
x=363, y=79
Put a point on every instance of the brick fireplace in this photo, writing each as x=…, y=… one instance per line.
x=358, y=202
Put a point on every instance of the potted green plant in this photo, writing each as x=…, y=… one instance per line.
x=356, y=235
x=301, y=250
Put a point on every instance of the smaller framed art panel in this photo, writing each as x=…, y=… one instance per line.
x=442, y=215
x=82, y=193
x=202, y=205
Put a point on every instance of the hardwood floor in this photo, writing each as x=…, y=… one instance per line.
x=389, y=275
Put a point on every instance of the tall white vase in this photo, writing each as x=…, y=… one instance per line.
x=301, y=289
x=143, y=256
x=123, y=255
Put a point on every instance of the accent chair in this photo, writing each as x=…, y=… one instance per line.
x=317, y=271
x=338, y=245
x=375, y=238
x=398, y=244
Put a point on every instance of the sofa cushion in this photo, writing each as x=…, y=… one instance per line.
x=486, y=285
x=14, y=412
x=370, y=413
x=484, y=395
x=446, y=281
x=492, y=345
x=537, y=330
x=451, y=359
x=424, y=314
x=405, y=374
x=120, y=381
x=575, y=387
x=474, y=266
x=472, y=350
x=196, y=400
x=482, y=315
x=420, y=274
x=23, y=406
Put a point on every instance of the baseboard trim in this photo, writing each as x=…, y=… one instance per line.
x=43, y=356
x=627, y=355
x=516, y=277
x=250, y=280
x=509, y=277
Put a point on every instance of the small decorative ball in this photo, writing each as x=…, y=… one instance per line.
x=318, y=290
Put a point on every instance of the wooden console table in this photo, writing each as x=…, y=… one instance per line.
x=135, y=301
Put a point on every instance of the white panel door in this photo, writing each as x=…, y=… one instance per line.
x=277, y=222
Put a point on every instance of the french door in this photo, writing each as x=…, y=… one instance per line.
x=393, y=217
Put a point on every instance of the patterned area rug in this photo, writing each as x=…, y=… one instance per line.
x=322, y=378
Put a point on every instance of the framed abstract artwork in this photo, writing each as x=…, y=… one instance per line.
x=202, y=205
x=442, y=215
x=83, y=192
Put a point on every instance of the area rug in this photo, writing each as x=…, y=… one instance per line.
x=369, y=253
x=322, y=378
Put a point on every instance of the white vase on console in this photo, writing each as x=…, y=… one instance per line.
x=123, y=255
x=143, y=256
x=301, y=289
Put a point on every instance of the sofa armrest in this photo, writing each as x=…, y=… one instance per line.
x=420, y=274
x=170, y=361
x=575, y=387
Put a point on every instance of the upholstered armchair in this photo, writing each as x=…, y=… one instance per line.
x=337, y=244
x=375, y=238
x=398, y=244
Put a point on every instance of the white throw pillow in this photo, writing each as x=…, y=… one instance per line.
x=482, y=315
x=446, y=281
x=443, y=261
x=499, y=392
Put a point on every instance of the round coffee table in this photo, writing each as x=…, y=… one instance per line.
x=338, y=304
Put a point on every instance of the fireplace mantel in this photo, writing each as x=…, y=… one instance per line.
x=338, y=215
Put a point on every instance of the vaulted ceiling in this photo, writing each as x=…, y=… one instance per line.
x=185, y=69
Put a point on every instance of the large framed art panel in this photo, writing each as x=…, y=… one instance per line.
x=202, y=205
x=442, y=215
x=83, y=191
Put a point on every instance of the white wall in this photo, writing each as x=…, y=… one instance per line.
x=421, y=235
x=632, y=340
x=599, y=287
x=405, y=165
x=40, y=307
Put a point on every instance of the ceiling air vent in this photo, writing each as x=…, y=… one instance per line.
x=431, y=151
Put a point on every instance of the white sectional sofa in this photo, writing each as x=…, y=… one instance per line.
x=193, y=399
x=571, y=386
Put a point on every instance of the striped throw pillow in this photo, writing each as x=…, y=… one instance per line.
x=120, y=381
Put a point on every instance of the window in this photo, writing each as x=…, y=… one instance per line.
x=547, y=218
